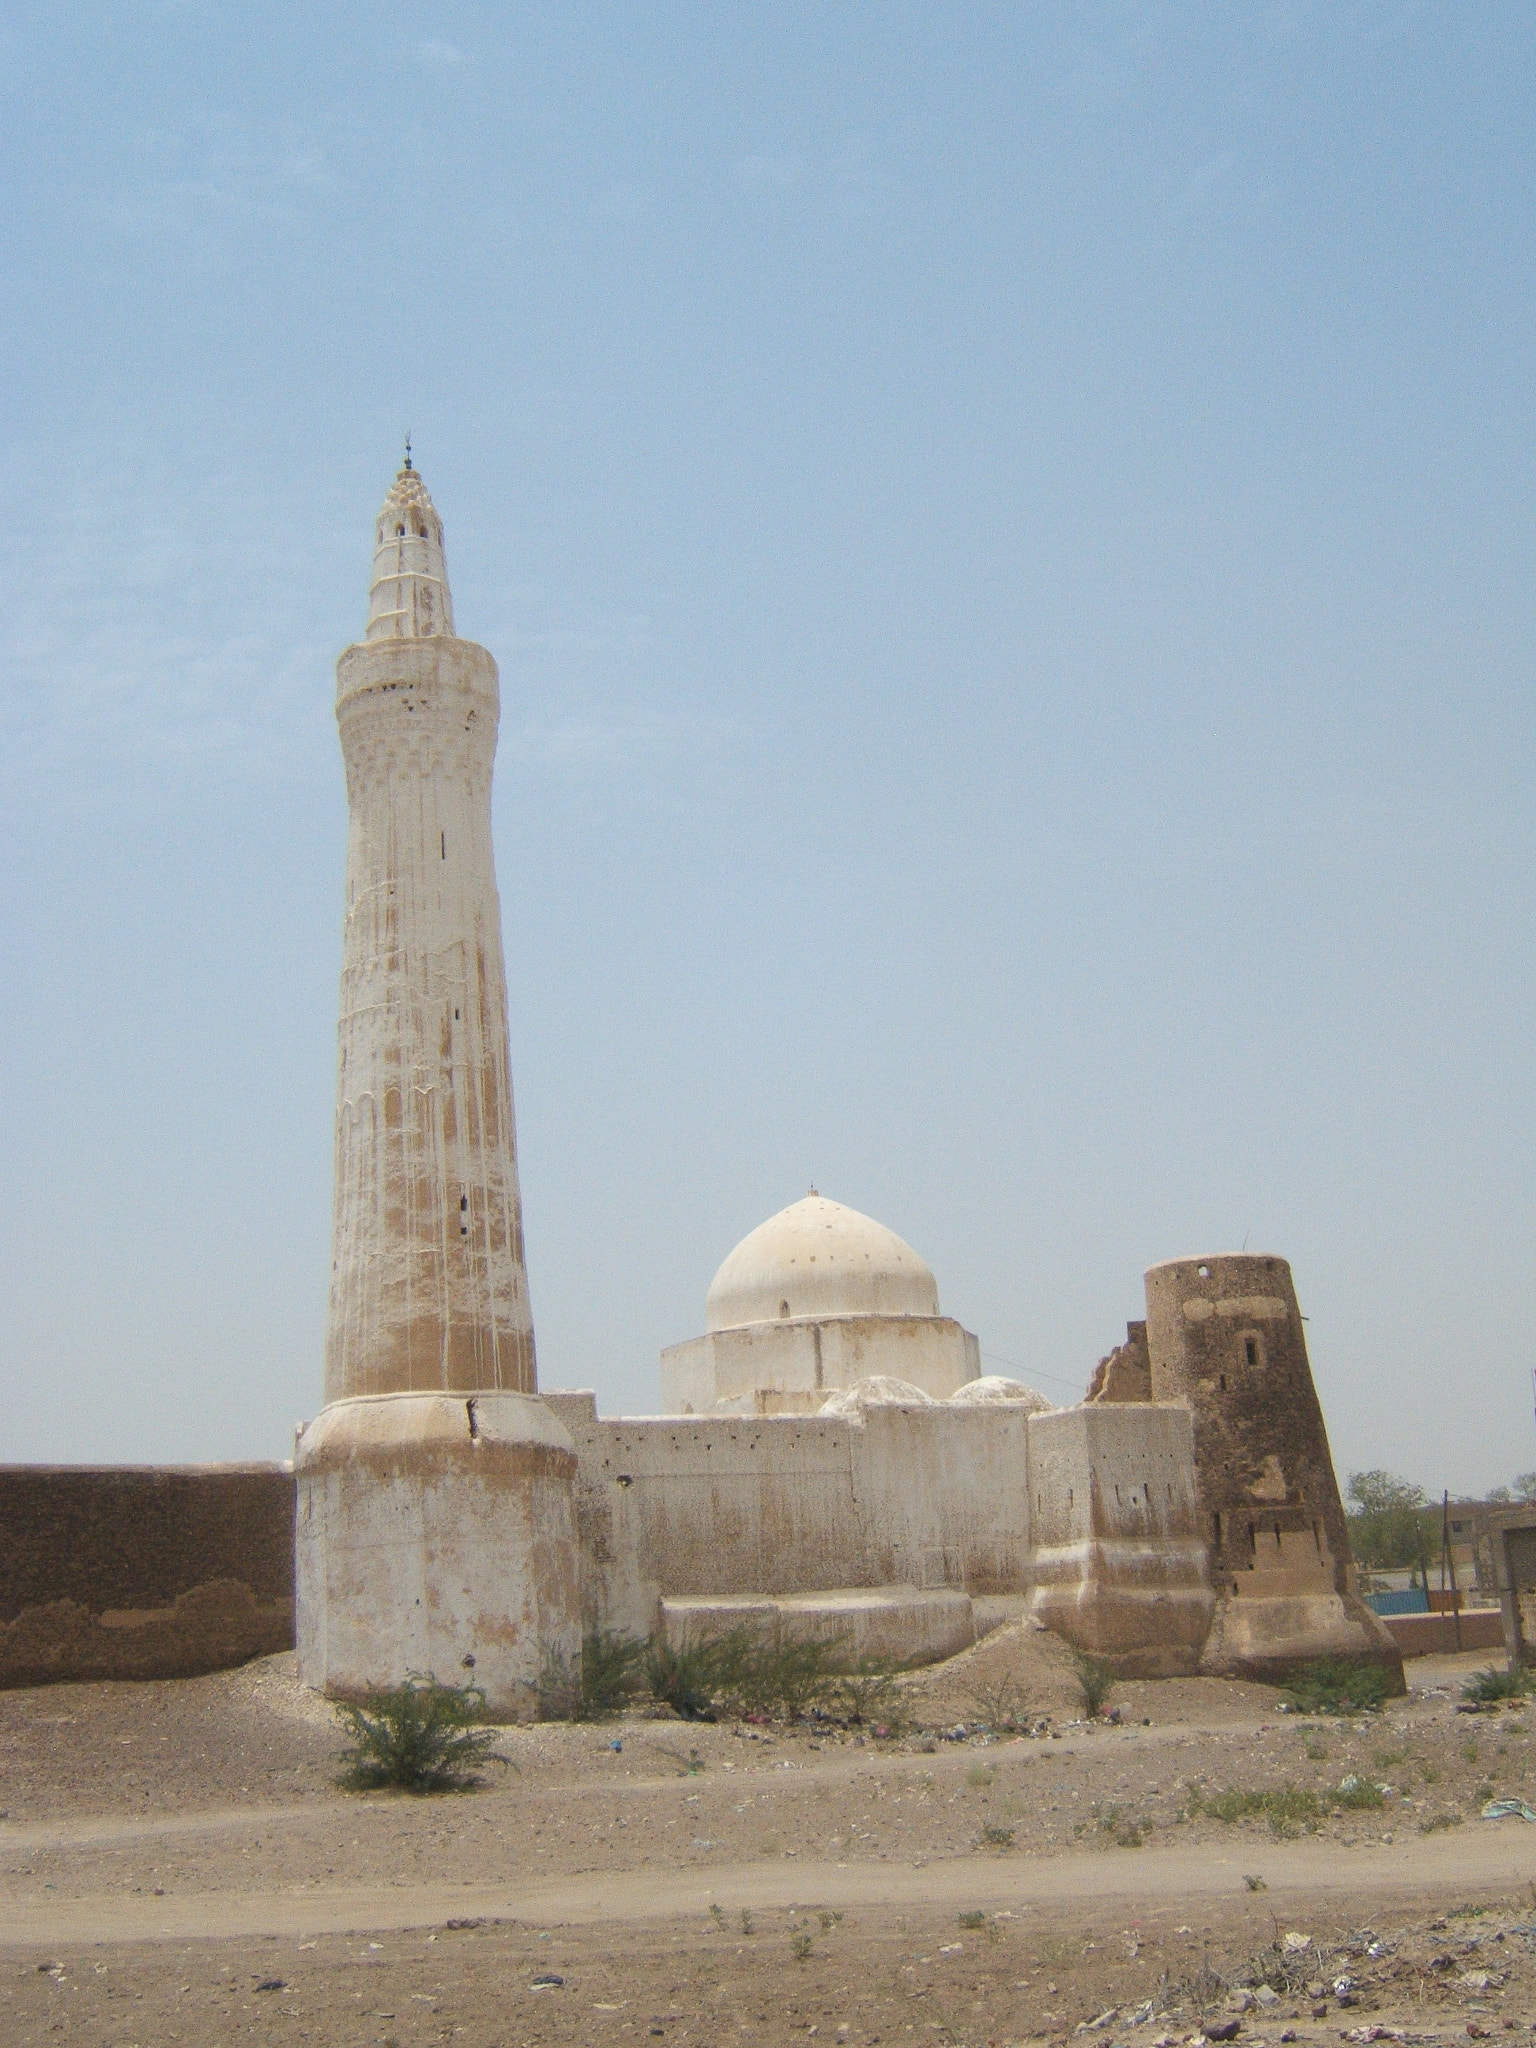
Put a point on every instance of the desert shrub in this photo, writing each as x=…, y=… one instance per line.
x=1095, y=1680
x=612, y=1671
x=421, y=1736
x=971, y=1921
x=690, y=1678
x=995, y=1837
x=786, y=1675
x=1358, y=1794
x=1336, y=1685
x=998, y=1704
x=1283, y=1806
x=867, y=1694
x=782, y=1676
x=1494, y=1684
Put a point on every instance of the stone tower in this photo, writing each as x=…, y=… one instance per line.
x=435, y=1523
x=1224, y=1337
x=428, y=1285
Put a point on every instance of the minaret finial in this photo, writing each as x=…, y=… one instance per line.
x=407, y=447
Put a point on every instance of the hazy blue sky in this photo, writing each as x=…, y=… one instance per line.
x=1007, y=531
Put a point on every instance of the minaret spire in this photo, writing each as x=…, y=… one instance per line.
x=409, y=598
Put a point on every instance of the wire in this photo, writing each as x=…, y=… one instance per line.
x=1033, y=1372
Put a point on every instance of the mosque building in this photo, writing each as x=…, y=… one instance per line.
x=830, y=1458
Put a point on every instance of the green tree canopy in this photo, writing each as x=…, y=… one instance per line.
x=1389, y=1521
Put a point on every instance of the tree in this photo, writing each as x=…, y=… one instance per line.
x=1389, y=1521
x=1522, y=1488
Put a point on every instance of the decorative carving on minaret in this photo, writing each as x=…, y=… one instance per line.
x=428, y=1285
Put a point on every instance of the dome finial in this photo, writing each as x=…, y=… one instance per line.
x=407, y=447
x=810, y=1190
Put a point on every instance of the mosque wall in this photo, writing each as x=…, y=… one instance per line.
x=142, y=1571
x=1089, y=1512
x=775, y=1367
x=1120, y=1561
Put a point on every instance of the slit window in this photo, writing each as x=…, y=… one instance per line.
x=1251, y=1350
x=445, y=845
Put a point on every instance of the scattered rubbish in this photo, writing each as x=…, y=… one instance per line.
x=1295, y=1943
x=548, y=1982
x=1504, y=1809
x=616, y=1747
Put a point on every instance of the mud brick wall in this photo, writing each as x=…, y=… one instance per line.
x=142, y=1571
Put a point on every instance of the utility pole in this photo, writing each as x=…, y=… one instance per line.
x=1448, y=1557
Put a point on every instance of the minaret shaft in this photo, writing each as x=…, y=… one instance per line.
x=435, y=1517
x=429, y=1290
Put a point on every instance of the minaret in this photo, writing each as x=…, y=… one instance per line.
x=428, y=1286
x=436, y=1517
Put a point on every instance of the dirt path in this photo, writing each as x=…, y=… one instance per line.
x=1501, y=1856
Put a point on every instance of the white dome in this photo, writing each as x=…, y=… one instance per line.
x=816, y=1259
x=878, y=1391
x=993, y=1388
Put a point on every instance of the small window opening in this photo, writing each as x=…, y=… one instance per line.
x=1222, y=1383
x=444, y=843
x=400, y=532
x=783, y=1308
x=1251, y=1349
x=463, y=1203
x=1205, y=1272
x=455, y=1016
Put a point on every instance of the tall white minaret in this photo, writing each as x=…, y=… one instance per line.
x=428, y=1285
x=436, y=1522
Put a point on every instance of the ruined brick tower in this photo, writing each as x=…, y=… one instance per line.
x=1224, y=1336
x=435, y=1518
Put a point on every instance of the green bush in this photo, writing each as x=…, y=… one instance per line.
x=1494, y=1684
x=778, y=1676
x=1336, y=1685
x=612, y=1670
x=1358, y=1793
x=1283, y=1806
x=867, y=1695
x=785, y=1675
x=421, y=1736
x=689, y=1679
x=1095, y=1680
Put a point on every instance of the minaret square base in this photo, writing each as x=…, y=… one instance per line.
x=436, y=1534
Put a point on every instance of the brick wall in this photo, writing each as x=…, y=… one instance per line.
x=142, y=1571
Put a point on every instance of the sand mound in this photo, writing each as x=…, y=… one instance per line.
x=1018, y=1670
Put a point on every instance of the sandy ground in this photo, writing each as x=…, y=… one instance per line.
x=176, y=1864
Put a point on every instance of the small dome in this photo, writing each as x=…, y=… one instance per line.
x=816, y=1259
x=994, y=1388
x=878, y=1391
